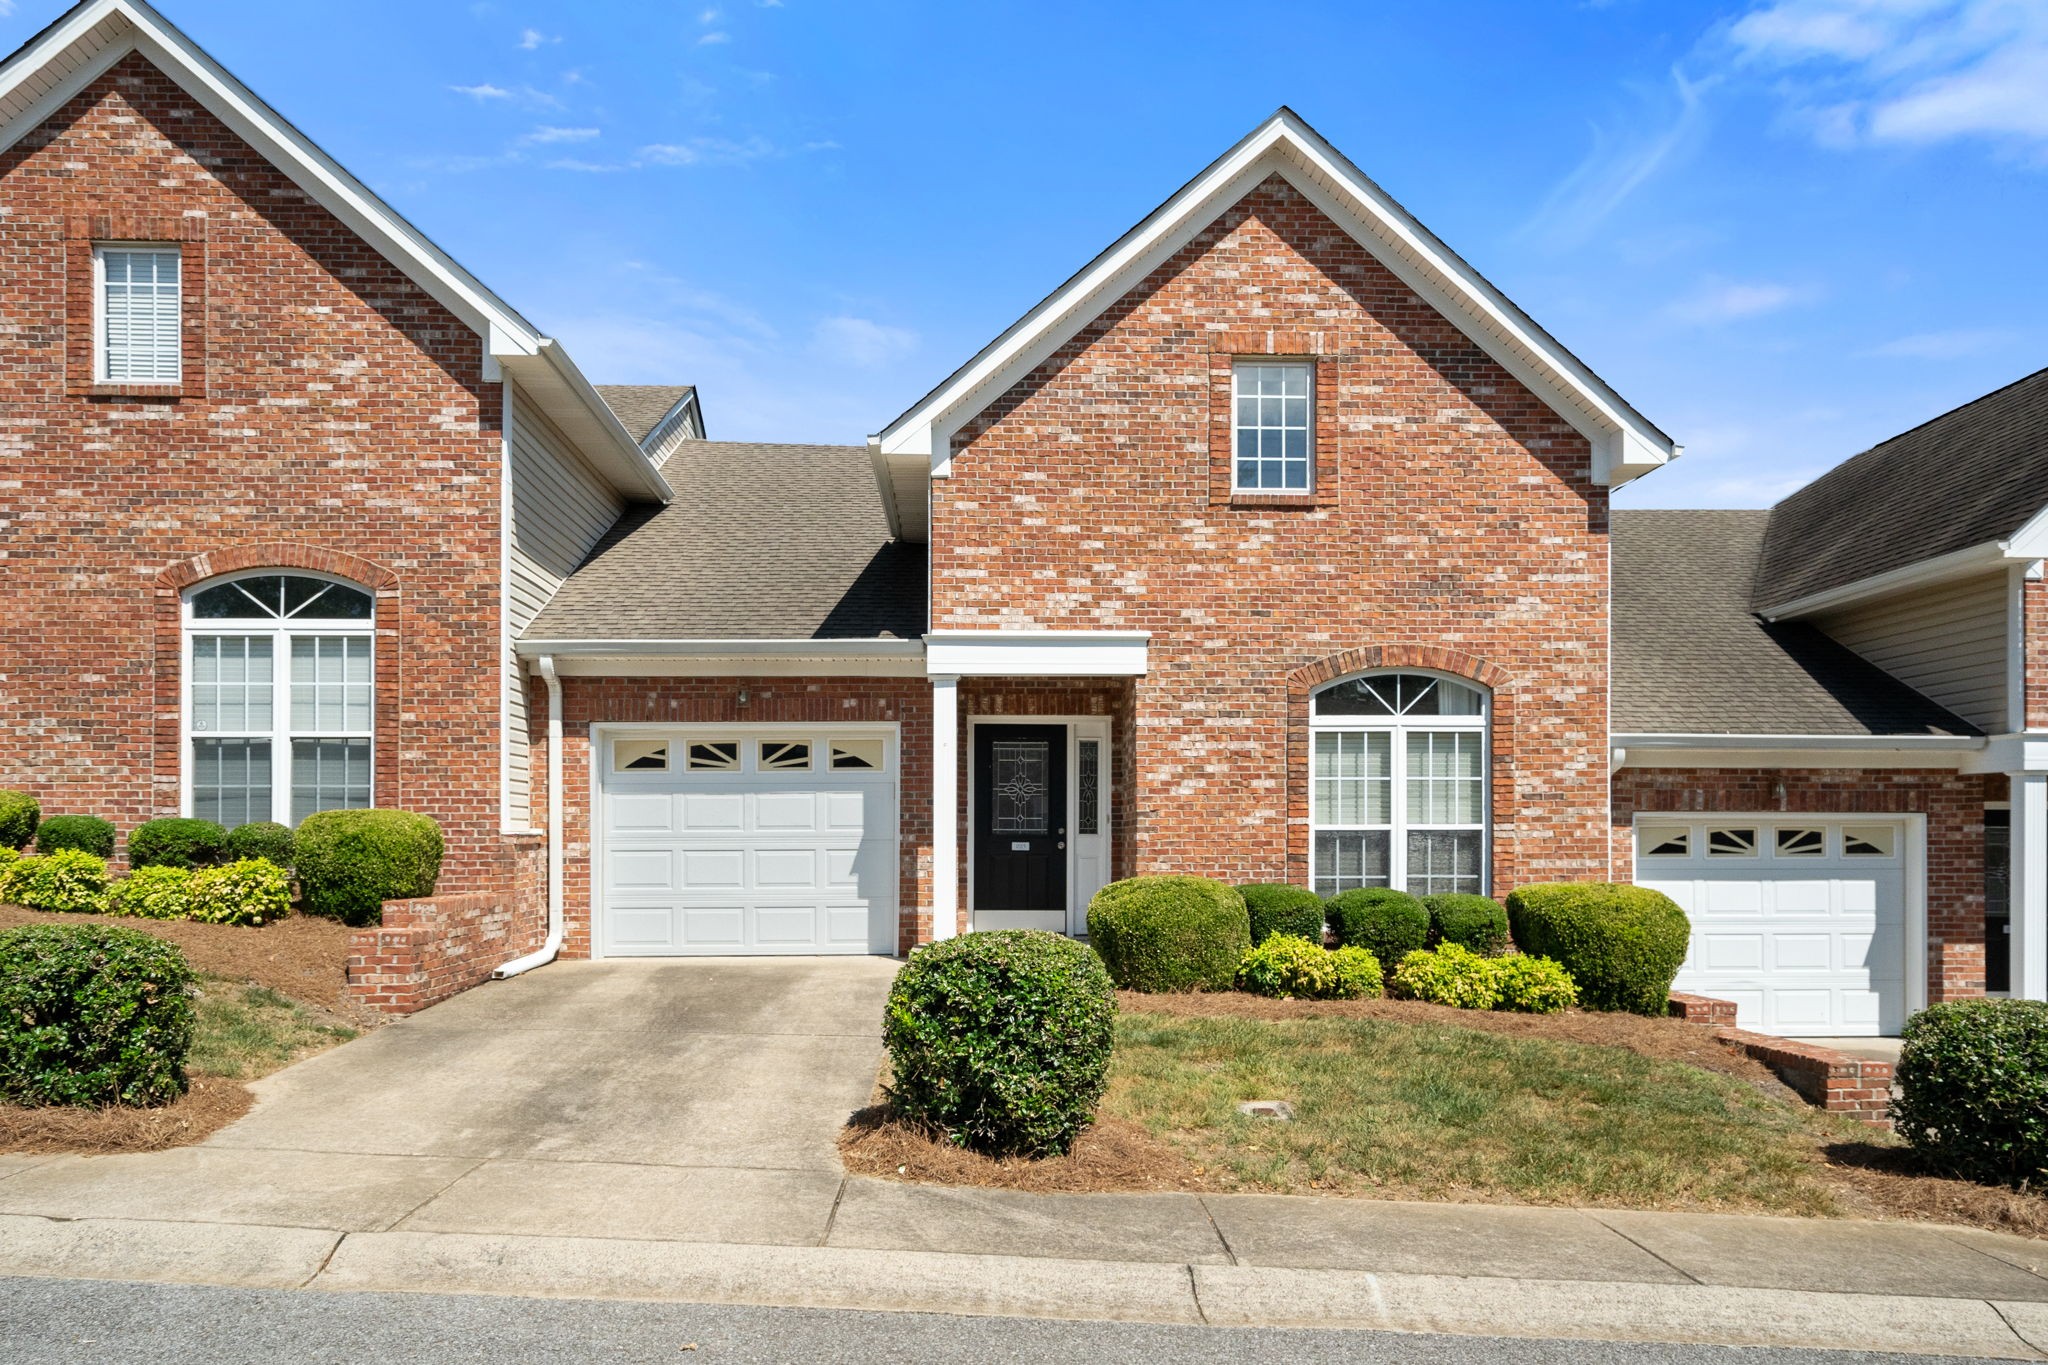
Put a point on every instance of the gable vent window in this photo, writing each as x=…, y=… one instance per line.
x=136, y=306
x=1274, y=440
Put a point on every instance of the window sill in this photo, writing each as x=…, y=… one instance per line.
x=1253, y=498
x=176, y=389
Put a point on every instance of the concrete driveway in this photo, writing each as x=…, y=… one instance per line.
x=687, y=1100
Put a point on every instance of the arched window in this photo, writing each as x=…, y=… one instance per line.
x=1397, y=791
x=279, y=702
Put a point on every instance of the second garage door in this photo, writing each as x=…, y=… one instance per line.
x=744, y=842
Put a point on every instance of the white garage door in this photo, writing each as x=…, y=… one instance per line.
x=739, y=841
x=1801, y=921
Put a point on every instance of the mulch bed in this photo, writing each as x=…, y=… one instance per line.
x=211, y=1104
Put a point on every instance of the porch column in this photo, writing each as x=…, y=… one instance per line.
x=2030, y=886
x=945, y=806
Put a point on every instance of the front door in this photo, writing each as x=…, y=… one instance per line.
x=1020, y=817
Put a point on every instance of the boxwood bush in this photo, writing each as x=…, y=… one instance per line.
x=1001, y=1040
x=20, y=813
x=251, y=891
x=92, y=1014
x=69, y=881
x=1388, y=924
x=1622, y=944
x=176, y=842
x=1279, y=909
x=351, y=861
x=152, y=893
x=1476, y=922
x=87, y=833
x=1535, y=985
x=1973, y=1083
x=1293, y=968
x=265, y=839
x=1169, y=933
x=1450, y=975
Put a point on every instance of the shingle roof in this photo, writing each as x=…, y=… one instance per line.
x=762, y=542
x=1689, y=658
x=1968, y=477
x=640, y=406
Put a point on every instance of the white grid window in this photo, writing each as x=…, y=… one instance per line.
x=137, y=306
x=1274, y=445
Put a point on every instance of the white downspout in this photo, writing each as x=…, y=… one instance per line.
x=545, y=954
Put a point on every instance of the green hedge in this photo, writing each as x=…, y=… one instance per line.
x=153, y=893
x=69, y=881
x=1388, y=924
x=1450, y=975
x=1275, y=908
x=1622, y=944
x=1290, y=967
x=265, y=839
x=1973, y=1082
x=1169, y=933
x=176, y=842
x=251, y=891
x=1535, y=985
x=1001, y=1040
x=351, y=861
x=92, y=1014
x=86, y=833
x=20, y=813
x=1476, y=922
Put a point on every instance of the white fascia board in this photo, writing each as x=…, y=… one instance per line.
x=2017, y=753
x=1625, y=444
x=551, y=380
x=702, y=647
x=1972, y=559
x=730, y=658
x=1795, y=751
x=1037, y=653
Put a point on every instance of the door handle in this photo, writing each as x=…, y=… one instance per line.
x=1063, y=843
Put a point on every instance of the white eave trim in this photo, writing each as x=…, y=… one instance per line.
x=572, y=403
x=1795, y=751
x=730, y=658
x=691, y=648
x=1037, y=653
x=1730, y=741
x=1963, y=563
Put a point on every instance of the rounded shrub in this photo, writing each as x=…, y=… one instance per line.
x=1290, y=967
x=1388, y=924
x=1622, y=944
x=1279, y=909
x=1001, y=1040
x=176, y=842
x=86, y=833
x=351, y=861
x=265, y=839
x=1973, y=1090
x=92, y=1014
x=1449, y=975
x=20, y=813
x=1358, y=974
x=1534, y=985
x=251, y=891
x=152, y=893
x=69, y=881
x=1169, y=933
x=1476, y=922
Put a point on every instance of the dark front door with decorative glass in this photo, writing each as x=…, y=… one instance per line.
x=1997, y=900
x=1020, y=817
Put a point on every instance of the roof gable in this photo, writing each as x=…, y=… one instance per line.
x=917, y=445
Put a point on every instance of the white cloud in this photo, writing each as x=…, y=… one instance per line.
x=714, y=37
x=707, y=151
x=481, y=93
x=547, y=136
x=708, y=16
x=486, y=93
x=1949, y=345
x=530, y=39
x=1621, y=162
x=857, y=341
x=1717, y=301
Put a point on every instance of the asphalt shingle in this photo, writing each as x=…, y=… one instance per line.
x=639, y=406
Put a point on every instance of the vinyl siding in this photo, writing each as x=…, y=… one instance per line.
x=559, y=509
x=1948, y=642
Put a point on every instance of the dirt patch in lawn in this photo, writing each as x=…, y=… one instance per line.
x=212, y=1103
x=1110, y=1155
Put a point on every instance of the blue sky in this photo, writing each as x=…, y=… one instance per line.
x=1784, y=229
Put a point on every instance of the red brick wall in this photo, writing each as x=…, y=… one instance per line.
x=770, y=701
x=437, y=946
x=1952, y=802
x=1455, y=521
x=332, y=416
x=2034, y=639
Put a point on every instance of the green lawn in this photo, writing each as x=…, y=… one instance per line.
x=249, y=1031
x=1399, y=1108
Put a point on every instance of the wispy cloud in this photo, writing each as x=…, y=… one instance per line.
x=481, y=93
x=707, y=151
x=1948, y=345
x=1718, y=301
x=714, y=37
x=546, y=136
x=1625, y=155
x=532, y=39
x=860, y=342
x=486, y=93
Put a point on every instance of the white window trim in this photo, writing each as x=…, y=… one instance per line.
x=1397, y=728
x=1237, y=368
x=281, y=631
x=100, y=252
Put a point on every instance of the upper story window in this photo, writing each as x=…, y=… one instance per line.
x=137, y=328
x=1274, y=402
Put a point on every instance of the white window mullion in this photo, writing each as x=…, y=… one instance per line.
x=281, y=736
x=1397, y=814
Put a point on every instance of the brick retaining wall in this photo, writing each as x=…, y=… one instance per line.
x=437, y=946
x=1860, y=1087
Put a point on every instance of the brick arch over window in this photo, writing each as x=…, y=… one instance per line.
x=284, y=556
x=1503, y=735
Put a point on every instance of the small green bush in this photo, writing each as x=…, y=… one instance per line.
x=70, y=881
x=1358, y=974
x=20, y=813
x=152, y=893
x=1449, y=975
x=1534, y=985
x=1622, y=944
x=1001, y=1040
x=1279, y=909
x=251, y=891
x=87, y=833
x=1476, y=922
x=1973, y=1083
x=1290, y=967
x=176, y=842
x=1169, y=933
x=92, y=1014
x=351, y=861
x=265, y=839
x=1388, y=924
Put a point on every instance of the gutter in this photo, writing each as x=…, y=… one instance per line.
x=1846, y=743
x=719, y=649
x=547, y=951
